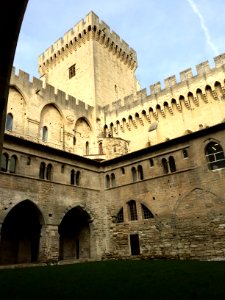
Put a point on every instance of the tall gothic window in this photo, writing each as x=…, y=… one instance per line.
x=4, y=162
x=113, y=180
x=165, y=166
x=140, y=172
x=13, y=161
x=132, y=210
x=172, y=164
x=9, y=122
x=72, y=177
x=107, y=182
x=78, y=178
x=49, y=172
x=42, y=171
x=44, y=134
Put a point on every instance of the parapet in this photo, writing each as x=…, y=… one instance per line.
x=170, y=85
x=89, y=28
x=46, y=91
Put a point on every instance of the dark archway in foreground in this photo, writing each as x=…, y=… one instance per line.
x=20, y=234
x=74, y=231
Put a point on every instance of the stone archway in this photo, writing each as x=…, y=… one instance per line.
x=20, y=234
x=74, y=231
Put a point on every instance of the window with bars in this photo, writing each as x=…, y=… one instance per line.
x=132, y=210
x=146, y=213
x=119, y=217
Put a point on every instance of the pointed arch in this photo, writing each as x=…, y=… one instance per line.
x=134, y=174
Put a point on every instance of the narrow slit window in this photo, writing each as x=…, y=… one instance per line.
x=72, y=71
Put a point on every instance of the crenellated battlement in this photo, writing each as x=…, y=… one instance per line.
x=160, y=99
x=89, y=28
x=46, y=91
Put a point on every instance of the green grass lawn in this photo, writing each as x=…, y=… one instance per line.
x=134, y=279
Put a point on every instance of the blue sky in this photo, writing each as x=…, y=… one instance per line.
x=168, y=36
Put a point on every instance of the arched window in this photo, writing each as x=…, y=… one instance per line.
x=146, y=213
x=72, y=177
x=122, y=170
x=134, y=174
x=9, y=122
x=132, y=210
x=42, y=170
x=87, y=148
x=78, y=178
x=100, y=147
x=4, y=162
x=49, y=172
x=215, y=156
x=165, y=166
x=140, y=173
x=74, y=141
x=119, y=217
x=28, y=160
x=13, y=161
x=172, y=164
x=151, y=161
x=113, y=180
x=44, y=134
x=107, y=181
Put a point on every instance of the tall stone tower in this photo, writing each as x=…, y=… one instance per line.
x=91, y=63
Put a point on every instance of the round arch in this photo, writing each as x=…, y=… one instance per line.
x=20, y=234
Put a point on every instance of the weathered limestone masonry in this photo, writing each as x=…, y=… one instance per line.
x=62, y=206
x=104, y=64
x=186, y=217
x=118, y=173
x=176, y=110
